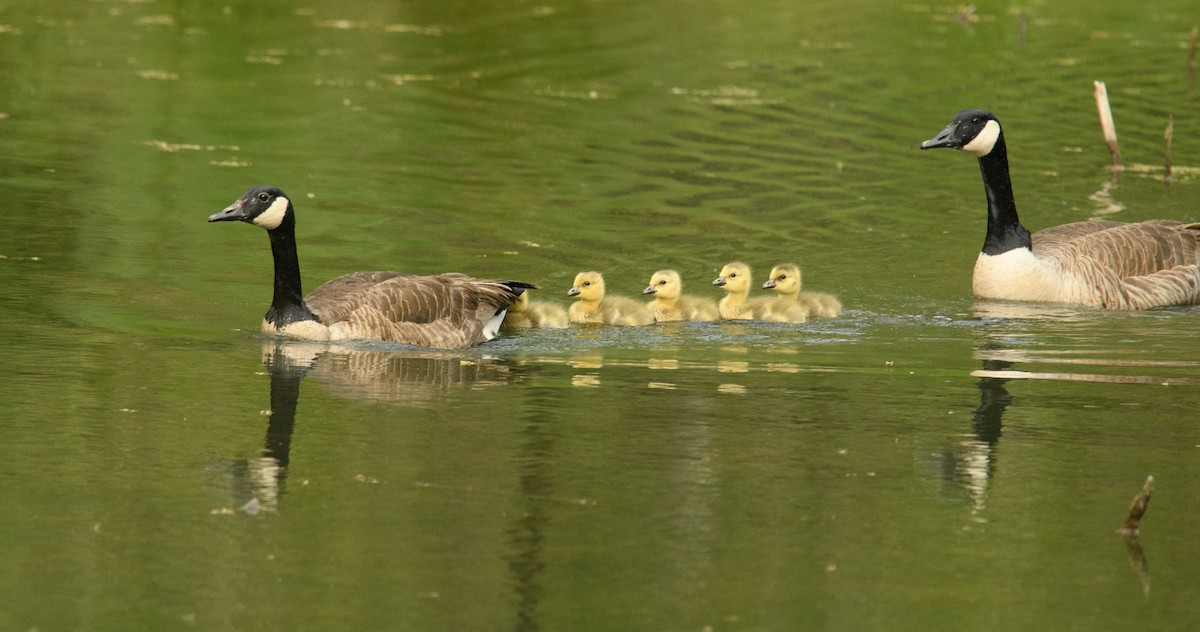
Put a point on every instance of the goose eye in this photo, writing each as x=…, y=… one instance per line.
x=263, y=197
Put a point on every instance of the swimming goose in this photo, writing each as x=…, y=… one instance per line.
x=785, y=280
x=737, y=304
x=594, y=307
x=536, y=314
x=670, y=304
x=445, y=311
x=1099, y=263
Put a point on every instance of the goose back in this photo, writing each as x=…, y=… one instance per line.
x=442, y=311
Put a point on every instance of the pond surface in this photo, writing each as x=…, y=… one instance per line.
x=927, y=461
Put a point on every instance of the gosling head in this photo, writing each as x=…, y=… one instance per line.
x=266, y=207
x=664, y=284
x=785, y=279
x=734, y=277
x=588, y=286
x=973, y=131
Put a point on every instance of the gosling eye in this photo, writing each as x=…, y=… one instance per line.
x=586, y=283
x=263, y=197
x=663, y=282
x=782, y=277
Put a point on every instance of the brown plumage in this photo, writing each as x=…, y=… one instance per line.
x=444, y=311
x=1100, y=263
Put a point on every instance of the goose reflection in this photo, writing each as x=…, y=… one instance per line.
x=971, y=463
x=410, y=377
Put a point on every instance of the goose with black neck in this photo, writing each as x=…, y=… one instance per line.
x=445, y=311
x=1098, y=263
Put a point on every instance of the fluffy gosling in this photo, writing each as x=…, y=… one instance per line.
x=594, y=307
x=670, y=304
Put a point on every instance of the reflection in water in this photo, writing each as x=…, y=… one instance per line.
x=412, y=377
x=526, y=535
x=1137, y=561
x=971, y=463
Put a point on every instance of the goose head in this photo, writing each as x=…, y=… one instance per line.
x=973, y=131
x=785, y=279
x=588, y=286
x=734, y=277
x=664, y=284
x=266, y=207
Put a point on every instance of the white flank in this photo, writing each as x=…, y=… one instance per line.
x=985, y=140
x=492, y=326
x=271, y=218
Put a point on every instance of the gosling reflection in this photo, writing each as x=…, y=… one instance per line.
x=418, y=378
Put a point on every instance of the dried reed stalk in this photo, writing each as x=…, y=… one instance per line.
x=1167, y=135
x=1137, y=508
x=1106, y=123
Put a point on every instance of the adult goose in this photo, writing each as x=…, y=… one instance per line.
x=445, y=311
x=1100, y=263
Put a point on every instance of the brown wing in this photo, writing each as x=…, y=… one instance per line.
x=1132, y=250
x=1141, y=265
x=1049, y=239
x=337, y=298
x=441, y=311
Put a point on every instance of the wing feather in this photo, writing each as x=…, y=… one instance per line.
x=1130, y=266
x=441, y=311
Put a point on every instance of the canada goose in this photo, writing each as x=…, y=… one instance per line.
x=443, y=311
x=737, y=304
x=1099, y=263
x=670, y=304
x=526, y=313
x=785, y=280
x=594, y=307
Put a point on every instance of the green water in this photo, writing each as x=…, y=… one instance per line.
x=926, y=462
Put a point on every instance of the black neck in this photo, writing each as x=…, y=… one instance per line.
x=1004, y=230
x=287, y=306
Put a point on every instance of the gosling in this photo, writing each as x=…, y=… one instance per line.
x=786, y=281
x=670, y=305
x=737, y=304
x=594, y=307
x=525, y=314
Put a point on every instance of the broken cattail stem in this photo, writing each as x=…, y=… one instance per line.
x=1167, y=135
x=1106, y=123
x=1137, y=508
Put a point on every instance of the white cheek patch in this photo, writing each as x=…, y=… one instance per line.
x=983, y=143
x=271, y=218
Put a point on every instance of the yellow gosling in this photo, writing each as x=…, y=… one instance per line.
x=786, y=281
x=670, y=304
x=535, y=314
x=594, y=307
x=737, y=304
